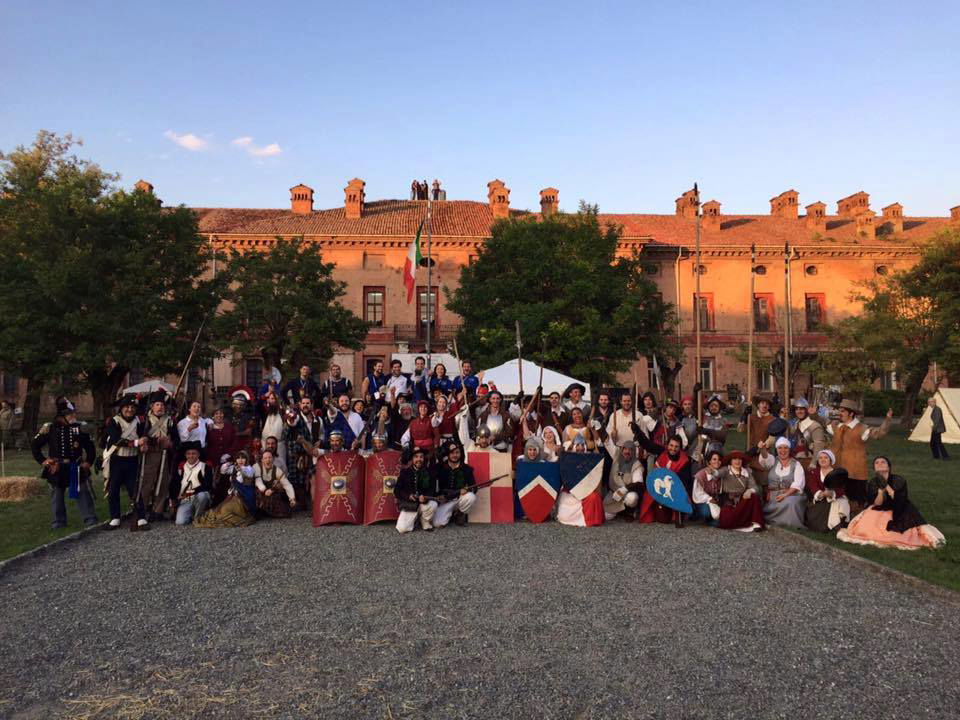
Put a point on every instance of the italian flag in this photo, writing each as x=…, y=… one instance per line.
x=411, y=265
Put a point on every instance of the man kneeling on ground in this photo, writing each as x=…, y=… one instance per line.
x=414, y=491
x=190, y=490
x=455, y=478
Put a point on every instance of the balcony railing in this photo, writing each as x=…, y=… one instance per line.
x=418, y=333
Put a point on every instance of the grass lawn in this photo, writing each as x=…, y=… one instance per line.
x=25, y=525
x=933, y=486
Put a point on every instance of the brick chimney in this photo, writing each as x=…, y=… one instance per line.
x=549, y=204
x=354, y=197
x=866, y=227
x=853, y=205
x=498, y=195
x=955, y=213
x=711, y=215
x=143, y=186
x=817, y=216
x=301, y=199
x=893, y=216
x=687, y=204
x=785, y=205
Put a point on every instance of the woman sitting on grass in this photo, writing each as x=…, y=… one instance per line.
x=891, y=520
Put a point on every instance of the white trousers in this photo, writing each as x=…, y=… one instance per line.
x=445, y=511
x=408, y=518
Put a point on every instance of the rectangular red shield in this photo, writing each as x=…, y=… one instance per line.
x=495, y=502
x=338, y=489
x=379, y=502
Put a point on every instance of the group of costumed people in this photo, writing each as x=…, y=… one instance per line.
x=256, y=457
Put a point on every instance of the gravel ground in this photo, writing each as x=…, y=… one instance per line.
x=284, y=620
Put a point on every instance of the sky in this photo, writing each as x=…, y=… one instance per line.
x=622, y=104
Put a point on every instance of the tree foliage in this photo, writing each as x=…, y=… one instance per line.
x=284, y=305
x=909, y=320
x=560, y=277
x=95, y=280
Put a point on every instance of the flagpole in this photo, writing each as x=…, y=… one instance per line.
x=429, y=277
x=786, y=328
x=696, y=309
x=753, y=320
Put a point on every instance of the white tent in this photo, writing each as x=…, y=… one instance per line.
x=948, y=400
x=507, y=379
x=147, y=387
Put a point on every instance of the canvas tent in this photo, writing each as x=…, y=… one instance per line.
x=147, y=387
x=507, y=379
x=948, y=400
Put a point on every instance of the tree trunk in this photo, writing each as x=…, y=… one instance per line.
x=911, y=392
x=104, y=387
x=31, y=407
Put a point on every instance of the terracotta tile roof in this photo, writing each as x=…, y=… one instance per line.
x=466, y=218
x=459, y=218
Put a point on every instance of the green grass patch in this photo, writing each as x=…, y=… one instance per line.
x=26, y=525
x=933, y=486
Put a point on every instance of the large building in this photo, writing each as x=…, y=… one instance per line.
x=830, y=253
x=368, y=240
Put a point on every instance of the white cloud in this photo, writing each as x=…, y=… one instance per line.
x=189, y=141
x=246, y=142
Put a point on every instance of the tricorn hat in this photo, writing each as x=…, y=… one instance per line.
x=64, y=406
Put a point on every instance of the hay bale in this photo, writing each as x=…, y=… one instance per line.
x=20, y=488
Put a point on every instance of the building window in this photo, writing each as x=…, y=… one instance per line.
x=760, y=269
x=816, y=306
x=882, y=270
x=253, y=373
x=706, y=373
x=651, y=269
x=763, y=317
x=653, y=381
x=764, y=381
x=373, y=304
x=706, y=311
x=424, y=313
x=888, y=380
x=810, y=269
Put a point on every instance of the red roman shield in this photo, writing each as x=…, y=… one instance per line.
x=338, y=489
x=495, y=502
x=382, y=470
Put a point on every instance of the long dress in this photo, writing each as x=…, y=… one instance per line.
x=737, y=511
x=790, y=511
x=893, y=523
x=238, y=510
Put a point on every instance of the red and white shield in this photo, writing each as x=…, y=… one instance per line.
x=495, y=502
x=379, y=501
x=338, y=489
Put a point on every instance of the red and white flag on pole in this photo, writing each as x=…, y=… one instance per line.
x=411, y=265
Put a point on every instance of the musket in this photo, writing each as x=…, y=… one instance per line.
x=183, y=375
x=470, y=488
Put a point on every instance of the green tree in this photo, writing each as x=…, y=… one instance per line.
x=95, y=280
x=560, y=277
x=284, y=305
x=910, y=319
